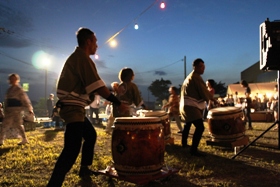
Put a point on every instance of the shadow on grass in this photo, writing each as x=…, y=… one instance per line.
x=50, y=135
x=164, y=181
x=245, y=171
x=86, y=182
x=5, y=150
x=260, y=154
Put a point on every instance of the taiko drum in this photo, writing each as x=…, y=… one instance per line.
x=225, y=123
x=138, y=145
x=164, y=121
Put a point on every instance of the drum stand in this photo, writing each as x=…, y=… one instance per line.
x=277, y=122
x=138, y=179
x=237, y=142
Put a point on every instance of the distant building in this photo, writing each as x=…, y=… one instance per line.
x=254, y=74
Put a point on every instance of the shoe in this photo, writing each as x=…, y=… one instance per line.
x=23, y=142
x=180, y=132
x=197, y=154
x=275, y=128
x=85, y=172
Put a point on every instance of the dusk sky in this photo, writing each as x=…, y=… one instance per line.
x=224, y=33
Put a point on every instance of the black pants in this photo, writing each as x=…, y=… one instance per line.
x=74, y=134
x=199, y=129
x=247, y=113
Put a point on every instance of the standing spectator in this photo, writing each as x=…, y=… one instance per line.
x=77, y=84
x=1, y=112
x=94, y=108
x=229, y=100
x=164, y=102
x=210, y=87
x=235, y=98
x=194, y=93
x=248, y=103
x=173, y=107
x=264, y=101
x=275, y=106
x=50, y=105
x=16, y=102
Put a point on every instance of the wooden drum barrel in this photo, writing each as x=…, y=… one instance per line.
x=164, y=121
x=138, y=145
x=225, y=123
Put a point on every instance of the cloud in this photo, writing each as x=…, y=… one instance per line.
x=13, y=25
x=100, y=64
x=160, y=73
x=6, y=70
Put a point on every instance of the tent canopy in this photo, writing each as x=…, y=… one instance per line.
x=256, y=89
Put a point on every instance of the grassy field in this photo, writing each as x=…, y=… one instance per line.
x=259, y=165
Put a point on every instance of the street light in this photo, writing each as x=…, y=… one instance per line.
x=46, y=63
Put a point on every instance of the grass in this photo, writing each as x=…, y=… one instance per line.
x=31, y=165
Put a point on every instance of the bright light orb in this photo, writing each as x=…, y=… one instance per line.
x=136, y=27
x=113, y=43
x=41, y=60
x=162, y=5
x=96, y=56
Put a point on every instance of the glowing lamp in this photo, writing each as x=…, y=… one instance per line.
x=162, y=5
x=136, y=26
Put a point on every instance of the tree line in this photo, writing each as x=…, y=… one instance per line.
x=159, y=89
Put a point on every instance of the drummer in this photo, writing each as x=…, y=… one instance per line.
x=194, y=93
x=128, y=92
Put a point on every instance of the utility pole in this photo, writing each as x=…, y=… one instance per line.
x=185, y=67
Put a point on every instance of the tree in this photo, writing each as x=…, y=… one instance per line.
x=220, y=89
x=159, y=89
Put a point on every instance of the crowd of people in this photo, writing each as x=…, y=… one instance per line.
x=80, y=86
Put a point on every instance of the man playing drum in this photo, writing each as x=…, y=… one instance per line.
x=194, y=93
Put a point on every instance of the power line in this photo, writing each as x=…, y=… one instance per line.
x=15, y=59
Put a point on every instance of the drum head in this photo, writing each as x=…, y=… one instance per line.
x=141, y=123
x=159, y=113
x=224, y=113
x=136, y=119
